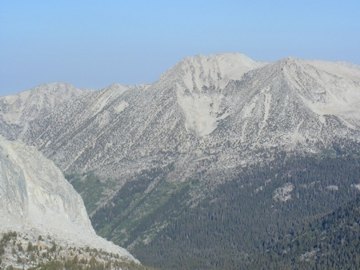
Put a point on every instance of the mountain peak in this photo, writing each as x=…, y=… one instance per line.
x=54, y=88
x=31, y=103
x=326, y=88
x=224, y=59
x=55, y=85
x=117, y=86
x=199, y=81
x=212, y=71
x=288, y=63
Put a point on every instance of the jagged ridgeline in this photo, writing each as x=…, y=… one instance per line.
x=207, y=166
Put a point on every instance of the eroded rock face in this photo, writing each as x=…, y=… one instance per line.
x=35, y=197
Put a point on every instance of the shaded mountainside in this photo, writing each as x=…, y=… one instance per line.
x=200, y=168
x=330, y=242
x=227, y=229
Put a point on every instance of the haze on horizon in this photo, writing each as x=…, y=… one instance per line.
x=92, y=44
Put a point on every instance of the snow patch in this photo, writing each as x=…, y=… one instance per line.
x=121, y=106
x=283, y=194
x=332, y=188
x=309, y=255
x=248, y=108
x=296, y=137
x=106, y=96
x=267, y=106
x=356, y=186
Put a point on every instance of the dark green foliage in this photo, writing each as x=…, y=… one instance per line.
x=229, y=228
x=92, y=264
x=30, y=247
x=5, y=239
x=90, y=188
x=235, y=223
x=331, y=242
x=135, y=209
x=53, y=247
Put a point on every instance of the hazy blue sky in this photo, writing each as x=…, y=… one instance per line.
x=95, y=43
